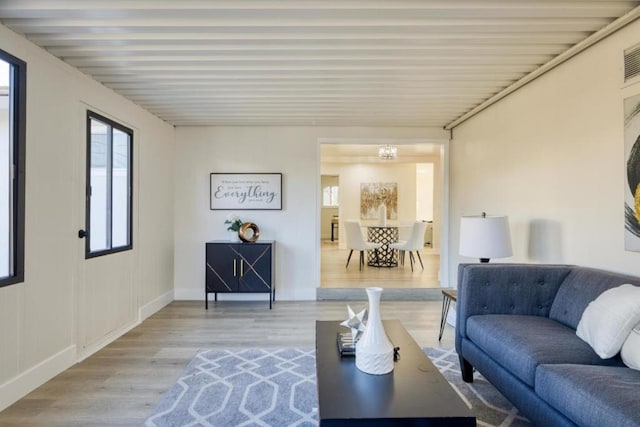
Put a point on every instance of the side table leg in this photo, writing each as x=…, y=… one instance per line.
x=446, y=302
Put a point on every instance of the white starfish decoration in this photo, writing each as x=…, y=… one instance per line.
x=355, y=322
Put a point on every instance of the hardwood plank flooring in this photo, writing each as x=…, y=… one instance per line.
x=121, y=384
x=333, y=273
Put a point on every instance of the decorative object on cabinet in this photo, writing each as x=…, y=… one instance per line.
x=249, y=232
x=240, y=268
x=246, y=191
x=234, y=222
x=234, y=227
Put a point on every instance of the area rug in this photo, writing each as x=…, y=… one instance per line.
x=277, y=387
x=489, y=406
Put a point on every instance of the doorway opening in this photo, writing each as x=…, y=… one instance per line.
x=350, y=169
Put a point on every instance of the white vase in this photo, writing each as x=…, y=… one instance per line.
x=233, y=236
x=374, y=351
x=382, y=214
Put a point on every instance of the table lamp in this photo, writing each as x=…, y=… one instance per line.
x=485, y=237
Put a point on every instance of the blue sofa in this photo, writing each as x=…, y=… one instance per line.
x=516, y=325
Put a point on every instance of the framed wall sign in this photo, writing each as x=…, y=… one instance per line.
x=245, y=191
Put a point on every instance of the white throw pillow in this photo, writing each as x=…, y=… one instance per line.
x=631, y=349
x=608, y=320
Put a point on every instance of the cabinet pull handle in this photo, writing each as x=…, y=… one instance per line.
x=235, y=267
x=241, y=268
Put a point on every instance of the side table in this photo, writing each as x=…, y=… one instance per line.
x=448, y=295
x=334, y=225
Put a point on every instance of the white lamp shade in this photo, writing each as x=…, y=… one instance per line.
x=485, y=237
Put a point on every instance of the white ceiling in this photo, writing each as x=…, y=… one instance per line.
x=308, y=62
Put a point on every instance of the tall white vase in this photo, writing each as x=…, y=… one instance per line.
x=382, y=215
x=374, y=351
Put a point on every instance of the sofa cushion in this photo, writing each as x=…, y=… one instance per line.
x=579, y=288
x=521, y=343
x=608, y=320
x=592, y=395
x=631, y=349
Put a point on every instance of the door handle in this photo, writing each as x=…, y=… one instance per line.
x=82, y=234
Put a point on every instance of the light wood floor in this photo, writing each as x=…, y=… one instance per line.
x=333, y=273
x=121, y=384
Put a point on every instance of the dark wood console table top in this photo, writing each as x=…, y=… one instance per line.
x=414, y=393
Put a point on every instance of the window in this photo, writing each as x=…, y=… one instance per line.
x=109, y=186
x=330, y=195
x=13, y=79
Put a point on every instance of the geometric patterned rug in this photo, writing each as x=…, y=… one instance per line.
x=277, y=387
x=255, y=387
x=490, y=407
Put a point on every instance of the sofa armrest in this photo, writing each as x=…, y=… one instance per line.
x=524, y=289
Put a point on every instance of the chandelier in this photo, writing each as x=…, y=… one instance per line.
x=387, y=152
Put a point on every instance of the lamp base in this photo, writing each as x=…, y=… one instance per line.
x=483, y=260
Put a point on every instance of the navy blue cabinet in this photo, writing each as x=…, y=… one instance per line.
x=239, y=267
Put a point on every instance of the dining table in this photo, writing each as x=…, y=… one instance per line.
x=383, y=256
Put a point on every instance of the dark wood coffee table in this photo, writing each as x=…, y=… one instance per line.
x=414, y=394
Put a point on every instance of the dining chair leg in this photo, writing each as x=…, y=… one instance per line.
x=361, y=259
x=411, y=260
x=349, y=259
x=421, y=264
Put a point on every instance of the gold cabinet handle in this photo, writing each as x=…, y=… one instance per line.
x=241, y=268
x=235, y=267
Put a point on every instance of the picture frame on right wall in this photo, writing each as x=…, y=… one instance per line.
x=632, y=175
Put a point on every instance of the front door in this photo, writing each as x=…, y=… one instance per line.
x=107, y=290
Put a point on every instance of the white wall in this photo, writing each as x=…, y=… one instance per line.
x=294, y=151
x=424, y=191
x=550, y=156
x=38, y=318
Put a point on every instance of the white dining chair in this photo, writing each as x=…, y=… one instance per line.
x=415, y=243
x=356, y=242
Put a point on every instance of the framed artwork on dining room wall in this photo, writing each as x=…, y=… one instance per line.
x=245, y=191
x=632, y=164
x=376, y=194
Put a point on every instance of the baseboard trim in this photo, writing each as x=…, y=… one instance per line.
x=106, y=340
x=156, y=305
x=18, y=387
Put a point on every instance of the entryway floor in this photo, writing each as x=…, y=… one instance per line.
x=333, y=273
